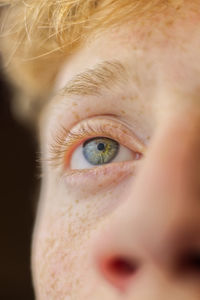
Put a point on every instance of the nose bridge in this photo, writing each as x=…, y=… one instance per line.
x=166, y=194
x=171, y=168
x=160, y=216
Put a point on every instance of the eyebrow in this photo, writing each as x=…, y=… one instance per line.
x=104, y=75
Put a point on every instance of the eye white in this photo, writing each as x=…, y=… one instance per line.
x=78, y=161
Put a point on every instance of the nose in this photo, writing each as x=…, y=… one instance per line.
x=158, y=225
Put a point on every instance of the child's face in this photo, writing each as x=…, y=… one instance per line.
x=119, y=215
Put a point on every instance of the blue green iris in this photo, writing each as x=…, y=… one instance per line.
x=100, y=150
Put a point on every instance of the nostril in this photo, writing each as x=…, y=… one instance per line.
x=189, y=262
x=119, y=271
x=121, y=266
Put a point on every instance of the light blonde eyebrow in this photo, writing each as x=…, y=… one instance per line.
x=104, y=75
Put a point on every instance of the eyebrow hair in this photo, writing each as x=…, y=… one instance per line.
x=90, y=82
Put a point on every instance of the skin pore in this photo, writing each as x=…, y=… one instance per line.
x=143, y=209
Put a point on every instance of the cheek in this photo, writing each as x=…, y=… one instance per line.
x=62, y=247
x=58, y=252
x=65, y=230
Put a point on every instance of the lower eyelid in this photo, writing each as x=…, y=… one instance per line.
x=99, y=177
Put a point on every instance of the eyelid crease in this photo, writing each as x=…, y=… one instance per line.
x=65, y=141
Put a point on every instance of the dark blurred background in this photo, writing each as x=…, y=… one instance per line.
x=18, y=192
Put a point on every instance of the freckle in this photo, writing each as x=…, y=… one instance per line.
x=169, y=22
x=69, y=228
x=142, y=106
x=74, y=234
x=133, y=98
x=74, y=104
x=69, y=213
x=178, y=7
x=149, y=34
x=140, y=113
x=88, y=205
x=77, y=201
x=88, y=109
x=77, y=214
x=123, y=112
x=76, y=115
x=69, y=208
x=83, y=220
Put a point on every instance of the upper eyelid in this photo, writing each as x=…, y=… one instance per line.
x=115, y=129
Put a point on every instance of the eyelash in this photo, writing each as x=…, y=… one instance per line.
x=66, y=141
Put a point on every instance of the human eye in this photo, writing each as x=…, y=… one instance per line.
x=99, y=148
x=99, y=151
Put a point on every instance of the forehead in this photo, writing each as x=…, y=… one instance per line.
x=170, y=43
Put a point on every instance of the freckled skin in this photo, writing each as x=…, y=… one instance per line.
x=69, y=228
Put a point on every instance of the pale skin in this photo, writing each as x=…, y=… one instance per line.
x=144, y=207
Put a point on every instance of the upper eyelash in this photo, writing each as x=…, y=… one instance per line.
x=58, y=147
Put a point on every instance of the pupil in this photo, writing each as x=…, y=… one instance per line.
x=100, y=146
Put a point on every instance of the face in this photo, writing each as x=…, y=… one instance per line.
x=119, y=211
